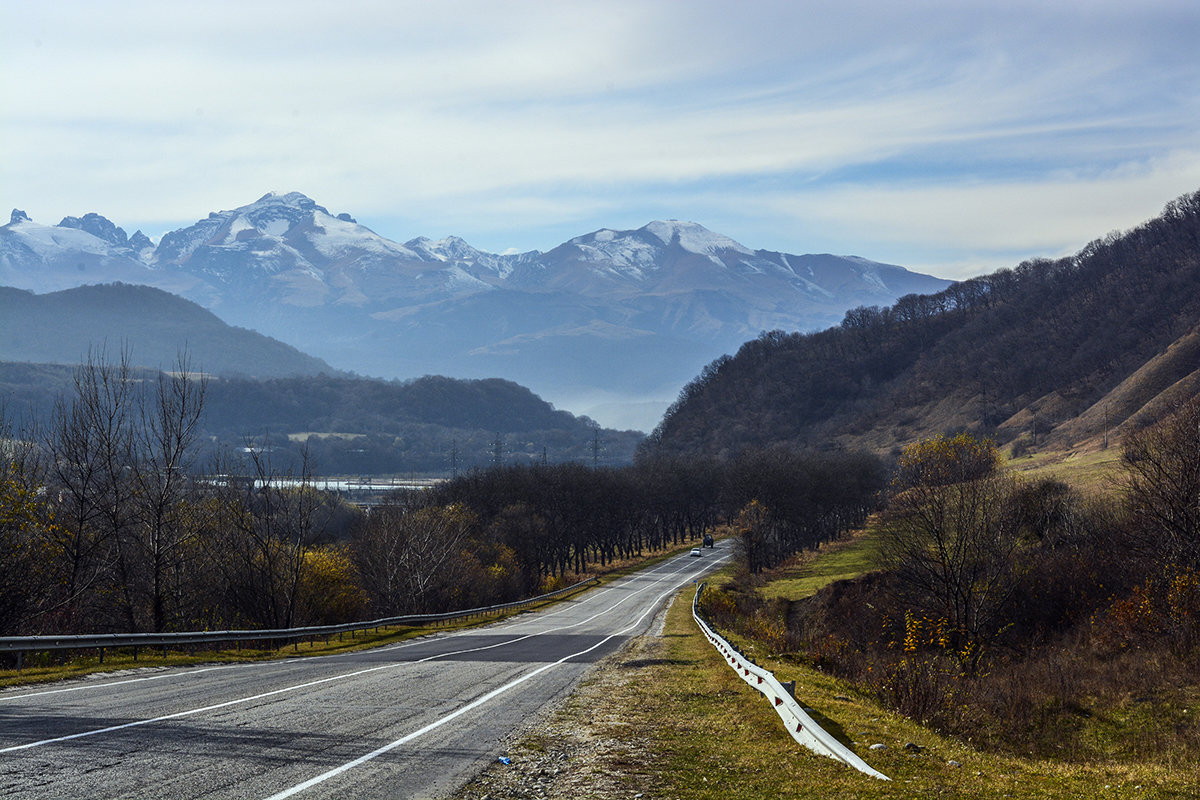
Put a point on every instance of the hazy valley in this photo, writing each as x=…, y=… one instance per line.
x=609, y=324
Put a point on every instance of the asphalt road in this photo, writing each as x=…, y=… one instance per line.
x=415, y=719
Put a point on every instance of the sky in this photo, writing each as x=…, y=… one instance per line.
x=951, y=137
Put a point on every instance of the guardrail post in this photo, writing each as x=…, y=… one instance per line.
x=135, y=652
x=20, y=659
x=101, y=655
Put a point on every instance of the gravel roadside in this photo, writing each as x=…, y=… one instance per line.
x=584, y=748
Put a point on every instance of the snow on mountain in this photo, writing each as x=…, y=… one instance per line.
x=451, y=248
x=335, y=238
x=489, y=268
x=290, y=245
x=97, y=226
x=51, y=241
x=620, y=252
x=48, y=258
x=807, y=281
x=694, y=238
x=177, y=246
x=652, y=255
x=459, y=279
x=606, y=314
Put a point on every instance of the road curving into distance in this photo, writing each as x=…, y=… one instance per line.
x=415, y=719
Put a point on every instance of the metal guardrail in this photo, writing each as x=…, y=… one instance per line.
x=26, y=644
x=798, y=723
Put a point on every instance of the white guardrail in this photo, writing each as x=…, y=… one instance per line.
x=798, y=723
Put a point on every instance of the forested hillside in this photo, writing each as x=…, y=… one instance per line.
x=1018, y=354
x=431, y=424
x=360, y=426
x=61, y=327
x=110, y=520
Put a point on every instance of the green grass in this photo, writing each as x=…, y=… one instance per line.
x=670, y=719
x=733, y=734
x=716, y=737
x=836, y=561
x=1095, y=470
x=1091, y=471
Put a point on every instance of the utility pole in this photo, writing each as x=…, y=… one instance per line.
x=498, y=451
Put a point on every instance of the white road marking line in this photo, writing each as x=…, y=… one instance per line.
x=469, y=707
x=383, y=649
x=309, y=684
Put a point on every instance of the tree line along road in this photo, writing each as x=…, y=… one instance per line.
x=415, y=719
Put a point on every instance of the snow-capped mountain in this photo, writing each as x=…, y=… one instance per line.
x=631, y=313
x=79, y=251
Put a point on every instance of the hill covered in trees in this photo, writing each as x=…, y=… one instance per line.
x=1067, y=350
x=357, y=426
x=61, y=327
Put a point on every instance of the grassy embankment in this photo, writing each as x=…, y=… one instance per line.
x=674, y=720
x=683, y=725
x=1088, y=471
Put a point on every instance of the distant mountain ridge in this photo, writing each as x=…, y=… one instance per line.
x=629, y=314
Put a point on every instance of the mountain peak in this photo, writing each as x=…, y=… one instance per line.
x=639, y=250
x=98, y=226
x=450, y=248
x=294, y=199
x=18, y=216
x=693, y=237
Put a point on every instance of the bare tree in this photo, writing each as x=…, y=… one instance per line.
x=951, y=539
x=276, y=524
x=90, y=447
x=165, y=526
x=409, y=558
x=1162, y=481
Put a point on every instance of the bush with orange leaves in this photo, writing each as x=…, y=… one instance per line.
x=1159, y=611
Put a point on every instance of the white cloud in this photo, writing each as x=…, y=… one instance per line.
x=965, y=132
x=967, y=228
